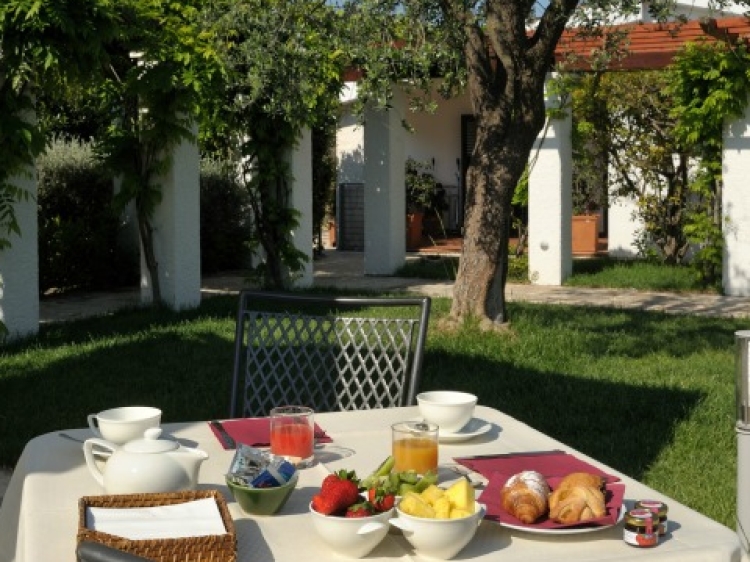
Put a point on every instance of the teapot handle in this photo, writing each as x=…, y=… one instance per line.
x=88, y=452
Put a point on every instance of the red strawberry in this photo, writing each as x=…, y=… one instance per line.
x=323, y=504
x=338, y=492
x=381, y=499
x=327, y=481
x=363, y=509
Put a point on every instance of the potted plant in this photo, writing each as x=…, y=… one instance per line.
x=585, y=225
x=423, y=195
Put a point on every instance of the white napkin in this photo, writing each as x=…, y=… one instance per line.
x=196, y=518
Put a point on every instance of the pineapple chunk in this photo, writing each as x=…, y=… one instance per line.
x=461, y=495
x=442, y=507
x=432, y=493
x=414, y=505
x=457, y=513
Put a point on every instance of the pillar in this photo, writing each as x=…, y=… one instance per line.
x=177, y=232
x=735, y=206
x=550, y=202
x=300, y=165
x=19, y=265
x=385, y=191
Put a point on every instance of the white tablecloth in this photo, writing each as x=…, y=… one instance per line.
x=39, y=515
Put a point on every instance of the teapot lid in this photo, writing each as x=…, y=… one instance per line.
x=151, y=443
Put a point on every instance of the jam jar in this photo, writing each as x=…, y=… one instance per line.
x=659, y=508
x=641, y=528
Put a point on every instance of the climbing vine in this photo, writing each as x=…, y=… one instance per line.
x=709, y=86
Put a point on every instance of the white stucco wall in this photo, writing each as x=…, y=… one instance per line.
x=300, y=163
x=736, y=207
x=19, y=266
x=624, y=223
x=436, y=136
x=177, y=233
x=384, y=190
x=350, y=149
x=550, y=203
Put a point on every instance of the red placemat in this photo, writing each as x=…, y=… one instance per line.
x=547, y=463
x=256, y=432
x=613, y=497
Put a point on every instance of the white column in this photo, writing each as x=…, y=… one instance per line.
x=300, y=164
x=177, y=232
x=19, y=266
x=385, y=191
x=735, y=206
x=550, y=204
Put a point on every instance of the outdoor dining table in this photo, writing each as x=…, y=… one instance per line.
x=39, y=514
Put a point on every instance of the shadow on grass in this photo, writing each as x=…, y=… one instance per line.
x=614, y=423
x=184, y=366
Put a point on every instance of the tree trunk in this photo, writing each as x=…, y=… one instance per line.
x=506, y=88
x=149, y=255
x=479, y=290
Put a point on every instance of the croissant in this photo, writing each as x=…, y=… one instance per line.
x=524, y=496
x=576, y=504
x=581, y=479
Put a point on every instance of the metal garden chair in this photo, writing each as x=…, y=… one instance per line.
x=328, y=353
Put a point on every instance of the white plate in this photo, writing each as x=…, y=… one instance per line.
x=563, y=530
x=474, y=428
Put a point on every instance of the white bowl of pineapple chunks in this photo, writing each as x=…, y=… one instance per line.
x=439, y=522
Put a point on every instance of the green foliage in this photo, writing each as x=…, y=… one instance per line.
x=78, y=228
x=156, y=73
x=41, y=45
x=423, y=193
x=256, y=117
x=225, y=219
x=710, y=86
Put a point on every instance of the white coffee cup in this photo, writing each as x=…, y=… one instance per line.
x=120, y=425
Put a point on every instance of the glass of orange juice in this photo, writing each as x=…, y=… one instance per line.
x=292, y=429
x=415, y=446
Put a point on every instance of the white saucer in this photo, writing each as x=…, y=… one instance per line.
x=474, y=428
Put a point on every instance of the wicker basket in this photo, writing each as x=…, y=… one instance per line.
x=212, y=548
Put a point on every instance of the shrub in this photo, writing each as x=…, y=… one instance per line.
x=225, y=220
x=78, y=228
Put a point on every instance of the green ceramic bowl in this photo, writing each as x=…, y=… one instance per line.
x=262, y=501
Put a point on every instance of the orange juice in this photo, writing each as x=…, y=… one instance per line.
x=415, y=453
x=292, y=440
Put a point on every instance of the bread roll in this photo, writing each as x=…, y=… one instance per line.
x=577, y=504
x=581, y=479
x=524, y=496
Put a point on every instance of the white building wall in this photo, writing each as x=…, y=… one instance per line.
x=624, y=223
x=300, y=161
x=438, y=136
x=350, y=149
x=177, y=233
x=19, y=266
x=736, y=207
x=385, y=192
x=550, y=204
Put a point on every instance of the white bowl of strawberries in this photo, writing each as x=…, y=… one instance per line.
x=351, y=523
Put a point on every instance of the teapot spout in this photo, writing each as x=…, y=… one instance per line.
x=191, y=461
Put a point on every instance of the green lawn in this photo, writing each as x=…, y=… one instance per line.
x=649, y=394
x=587, y=272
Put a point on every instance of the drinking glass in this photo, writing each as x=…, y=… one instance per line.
x=415, y=446
x=292, y=429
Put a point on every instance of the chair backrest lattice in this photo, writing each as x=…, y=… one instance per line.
x=329, y=353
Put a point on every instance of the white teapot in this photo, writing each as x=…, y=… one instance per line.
x=145, y=465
